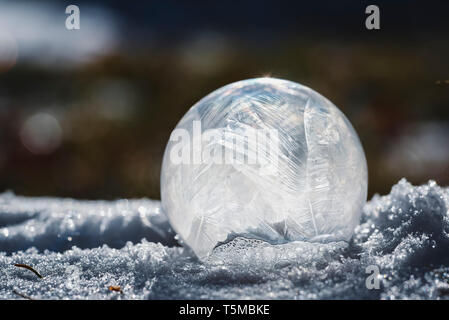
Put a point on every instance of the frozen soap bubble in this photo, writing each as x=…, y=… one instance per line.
x=263, y=158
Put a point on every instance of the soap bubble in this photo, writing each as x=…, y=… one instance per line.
x=267, y=159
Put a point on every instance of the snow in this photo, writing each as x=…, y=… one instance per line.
x=83, y=247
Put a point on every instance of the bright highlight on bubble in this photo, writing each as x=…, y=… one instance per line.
x=263, y=158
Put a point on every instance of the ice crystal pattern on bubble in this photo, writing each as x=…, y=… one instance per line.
x=319, y=186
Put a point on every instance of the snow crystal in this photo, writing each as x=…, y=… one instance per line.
x=59, y=224
x=81, y=248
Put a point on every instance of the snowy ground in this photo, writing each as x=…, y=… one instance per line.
x=83, y=247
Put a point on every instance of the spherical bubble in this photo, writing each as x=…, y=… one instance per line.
x=263, y=158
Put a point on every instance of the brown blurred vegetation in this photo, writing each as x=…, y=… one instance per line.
x=117, y=112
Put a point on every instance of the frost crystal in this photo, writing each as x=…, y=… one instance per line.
x=405, y=234
x=263, y=158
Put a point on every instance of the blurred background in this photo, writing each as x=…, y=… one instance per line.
x=87, y=113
